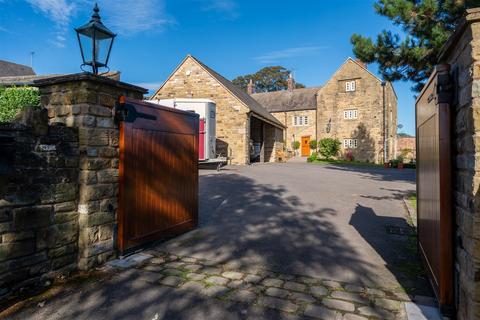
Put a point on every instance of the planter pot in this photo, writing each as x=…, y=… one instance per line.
x=400, y=165
x=386, y=164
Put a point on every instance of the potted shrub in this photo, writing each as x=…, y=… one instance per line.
x=400, y=162
x=296, y=146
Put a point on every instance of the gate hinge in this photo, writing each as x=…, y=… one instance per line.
x=120, y=111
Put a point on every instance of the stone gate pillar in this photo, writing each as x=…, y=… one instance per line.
x=462, y=53
x=86, y=101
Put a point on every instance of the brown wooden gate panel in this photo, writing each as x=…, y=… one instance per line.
x=434, y=190
x=158, y=173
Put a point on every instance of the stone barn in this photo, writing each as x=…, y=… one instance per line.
x=246, y=132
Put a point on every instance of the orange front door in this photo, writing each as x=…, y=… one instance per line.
x=306, y=146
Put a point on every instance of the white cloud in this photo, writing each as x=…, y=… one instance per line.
x=295, y=52
x=134, y=16
x=125, y=17
x=228, y=8
x=59, y=12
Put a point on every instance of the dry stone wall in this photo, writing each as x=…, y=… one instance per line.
x=38, y=189
x=59, y=180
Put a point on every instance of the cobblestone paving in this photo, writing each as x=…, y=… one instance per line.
x=298, y=296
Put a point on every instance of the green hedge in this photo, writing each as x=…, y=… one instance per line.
x=13, y=99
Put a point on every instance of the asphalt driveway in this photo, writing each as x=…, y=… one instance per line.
x=275, y=241
x=329, y=222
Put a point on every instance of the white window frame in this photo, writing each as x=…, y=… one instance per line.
x=350, y=143
x=350, y=114
x=350, y=86
x=300, y=121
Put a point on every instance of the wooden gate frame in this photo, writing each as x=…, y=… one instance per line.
x=120, y=115
x=435, y=101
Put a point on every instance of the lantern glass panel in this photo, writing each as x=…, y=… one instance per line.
x=87, y=48
x=102, y=47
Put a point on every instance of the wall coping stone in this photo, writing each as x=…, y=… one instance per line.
x=471, y=16
x=85, y=76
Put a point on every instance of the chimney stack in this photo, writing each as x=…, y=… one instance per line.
x=360, y=62
x=250, y=87
x=290, y=82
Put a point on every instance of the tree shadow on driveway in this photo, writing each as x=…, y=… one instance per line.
x=248, y=225
x=383, y=234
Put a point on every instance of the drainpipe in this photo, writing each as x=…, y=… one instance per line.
x=384, y=124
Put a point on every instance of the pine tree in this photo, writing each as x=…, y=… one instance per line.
x=427, y=24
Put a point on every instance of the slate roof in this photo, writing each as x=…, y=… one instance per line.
x=286, y=100
x=241, y=95
x=10, y=69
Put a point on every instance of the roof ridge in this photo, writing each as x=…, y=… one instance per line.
x=242, y=96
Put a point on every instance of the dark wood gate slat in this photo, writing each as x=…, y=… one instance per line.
x=434, y=189
x=158, y=174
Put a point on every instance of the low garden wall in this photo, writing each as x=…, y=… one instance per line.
x=38, y=187
x=59, y=181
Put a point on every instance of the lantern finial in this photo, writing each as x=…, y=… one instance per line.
x=95, y=15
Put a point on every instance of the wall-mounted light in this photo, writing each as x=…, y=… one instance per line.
x=329, y=125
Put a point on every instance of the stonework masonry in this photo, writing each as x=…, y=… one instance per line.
x=406, y=146
x=87, y=102
x=367, y=99
x=295, y=133
x=462, y=52
x=59, y=180
x=38, y=189
x=191, y=81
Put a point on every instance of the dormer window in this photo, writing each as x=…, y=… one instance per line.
x=350, y=86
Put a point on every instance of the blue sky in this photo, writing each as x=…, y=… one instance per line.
x=234, y=37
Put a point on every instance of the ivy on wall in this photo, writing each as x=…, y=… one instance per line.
x=13, y=99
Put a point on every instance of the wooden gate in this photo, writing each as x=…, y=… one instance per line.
x=434, y=190
x=158, y=173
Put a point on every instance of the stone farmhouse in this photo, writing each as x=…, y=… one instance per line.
x=354, y=106
x=241, y=121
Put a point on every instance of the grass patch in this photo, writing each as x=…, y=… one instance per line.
x=346, y=162
x=413, y=201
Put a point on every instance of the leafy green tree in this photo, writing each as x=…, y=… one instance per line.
x=329, y=147
x=313, y=144
x=12, y=100
x=427, y=25
x=404, y=135
x=267, y=79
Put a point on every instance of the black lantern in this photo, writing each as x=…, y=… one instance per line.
x=95, y=42
x=329, y=125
